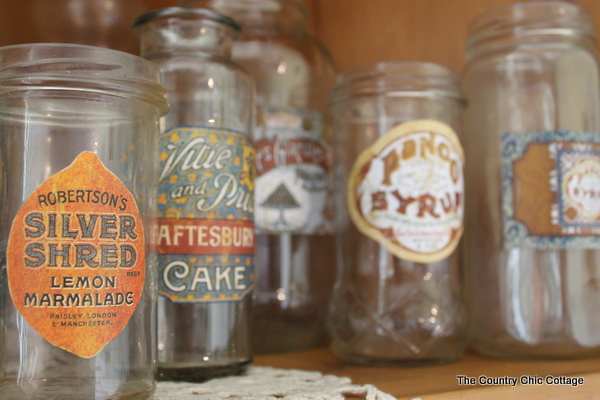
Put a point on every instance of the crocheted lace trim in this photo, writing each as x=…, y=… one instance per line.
x=266, y=383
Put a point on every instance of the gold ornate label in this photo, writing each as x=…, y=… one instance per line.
x=406, y=191
x=76, y=257
x=550, y=187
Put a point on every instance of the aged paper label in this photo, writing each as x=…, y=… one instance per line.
x=293, y=183
x=76, y=257
x=551, y=189
x=407, y=191
x=206, y=215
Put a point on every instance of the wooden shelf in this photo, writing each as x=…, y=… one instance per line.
x=441, y=383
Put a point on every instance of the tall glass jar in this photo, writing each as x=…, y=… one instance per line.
x=399, y=208
x=103, y=23
x=294, y=221
x=77, y=187
x=533, y=136
x=206, y=188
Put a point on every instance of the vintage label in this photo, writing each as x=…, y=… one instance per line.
x=76, y=257
x=293, y=181
x=407, y=191
x=551, y=189
x=206, y=210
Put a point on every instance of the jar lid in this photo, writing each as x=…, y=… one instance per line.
x=399, y=79
x=183, y=12
x=74, y=67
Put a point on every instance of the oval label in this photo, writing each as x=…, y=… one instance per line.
x=582, y=188
x=406, y=191
x=76, y=257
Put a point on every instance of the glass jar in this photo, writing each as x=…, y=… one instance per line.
x=533, y=133
x=206, y=188
x=294, y=220
x=399, y=208
x=77, y=280
x=103, y=23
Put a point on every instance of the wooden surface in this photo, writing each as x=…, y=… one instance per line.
x=441, y=383
x=354, y=31
x=365, y=31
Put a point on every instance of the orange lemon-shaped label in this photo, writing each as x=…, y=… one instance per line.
x=76, y=257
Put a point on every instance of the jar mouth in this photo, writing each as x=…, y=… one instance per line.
x=273, y=6
x=398, y=78
x=259, y=15
x=188, y=30
x=74, y=67
x=188, y=13
x=530, y=19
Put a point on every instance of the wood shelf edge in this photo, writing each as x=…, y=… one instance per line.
x=441, y=383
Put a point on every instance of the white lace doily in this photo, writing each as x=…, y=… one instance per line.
x=266, y=383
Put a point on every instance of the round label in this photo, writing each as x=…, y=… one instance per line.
x=407, y=191
x=76, y=257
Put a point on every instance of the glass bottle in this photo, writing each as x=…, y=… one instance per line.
x=103, y=23
x=77, y=188
x=294, y=221
x=206, y=182
x=532, y=126
x=399, y=208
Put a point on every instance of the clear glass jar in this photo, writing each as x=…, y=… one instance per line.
x=399, y=208
x=78, y=271
x=206, y=187
x=103, y=23
x=532, y=125
x=294, y=221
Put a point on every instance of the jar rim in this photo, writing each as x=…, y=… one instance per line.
x=408, y=78
x=248, y=5
x=76, y=67
x=186, y=12
x=536, y=18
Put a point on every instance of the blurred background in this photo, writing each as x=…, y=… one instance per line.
x=354, y=31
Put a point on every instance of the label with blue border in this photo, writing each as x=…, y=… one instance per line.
x=206, y=215
x=551, y=189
